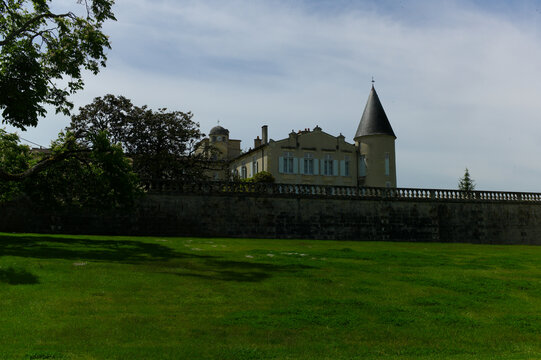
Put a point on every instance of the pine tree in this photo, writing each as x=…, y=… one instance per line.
x=466, y=183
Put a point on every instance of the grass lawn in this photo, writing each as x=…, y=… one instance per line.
x=90, y=297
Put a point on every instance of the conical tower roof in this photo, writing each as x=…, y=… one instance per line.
x=374, y=121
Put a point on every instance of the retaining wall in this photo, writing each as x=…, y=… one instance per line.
x=294, y=216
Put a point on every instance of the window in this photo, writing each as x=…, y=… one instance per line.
x=328, y=165
x=387, y=164
x=346, y=165
x=288, y=163
x=244, y=172
x=255, y=166
x=308, y=164
x=362, y=165
x=219, y=138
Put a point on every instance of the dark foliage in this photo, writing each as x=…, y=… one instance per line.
x=466, y=183
x=160, y=143
x=41, y=49
x=263, y=177
x=93, y=175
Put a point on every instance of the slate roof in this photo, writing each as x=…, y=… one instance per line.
x=374, y=121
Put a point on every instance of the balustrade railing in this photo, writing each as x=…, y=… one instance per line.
x=302, y=190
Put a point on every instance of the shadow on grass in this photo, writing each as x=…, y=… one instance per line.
x=242, y=271
x=158, y=256
x=17, y=277
x=76, y=248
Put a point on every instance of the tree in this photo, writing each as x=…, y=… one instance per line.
x=263, y=177
x=39, y=49
x=161, y=143
x=14, y=158
x=466, y=183
x=97, y=175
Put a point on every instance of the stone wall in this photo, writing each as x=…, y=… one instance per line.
x=289, y=216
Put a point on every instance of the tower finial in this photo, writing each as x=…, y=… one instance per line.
x=373, y=81
x=218, y=121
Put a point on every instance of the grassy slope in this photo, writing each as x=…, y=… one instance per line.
x=83, y=297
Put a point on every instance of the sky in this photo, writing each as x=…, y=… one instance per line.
x=460, y=80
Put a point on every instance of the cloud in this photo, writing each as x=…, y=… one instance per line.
x=460, y=81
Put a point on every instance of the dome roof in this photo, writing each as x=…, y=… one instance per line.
x=218, y=130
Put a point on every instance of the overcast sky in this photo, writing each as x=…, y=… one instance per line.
x=460, y=81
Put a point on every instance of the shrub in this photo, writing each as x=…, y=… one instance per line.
x=263, y=177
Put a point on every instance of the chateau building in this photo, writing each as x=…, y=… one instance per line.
x=316, y=157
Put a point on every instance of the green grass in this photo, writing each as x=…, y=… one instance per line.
x=90, y=297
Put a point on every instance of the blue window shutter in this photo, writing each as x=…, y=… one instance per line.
x=335, y=167
x=281, y=164
x=316, y=167
x=295, y=165
x=342, y=167
x=301, y=165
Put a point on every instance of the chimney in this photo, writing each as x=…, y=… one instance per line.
x=257, y=142
x=264, y=134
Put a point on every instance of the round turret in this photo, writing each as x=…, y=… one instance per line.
x=375, y=141
x=219, y=130
x=218, y=134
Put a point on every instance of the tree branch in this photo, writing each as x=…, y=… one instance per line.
x=41, y=166
x=40, y=34
x=5, y=5
x=27, y=25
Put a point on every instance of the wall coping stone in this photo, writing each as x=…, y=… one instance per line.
x=338, y=192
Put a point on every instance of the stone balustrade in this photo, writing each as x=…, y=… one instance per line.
x=303, y=190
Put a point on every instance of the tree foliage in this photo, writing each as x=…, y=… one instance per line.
x=14, y=158
x=40, y=49
x=466, y=183
x=263, y=177
x=92, y=175
x=160, y=143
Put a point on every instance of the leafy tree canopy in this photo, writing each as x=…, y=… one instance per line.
x=161, y=143
x=95, y=175
x=39, y=49
x=14, y=158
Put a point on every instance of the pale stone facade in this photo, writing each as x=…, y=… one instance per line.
x=219, y=148
x=314, y=156
x=306, y=157
x=377, y=153
x=225, y=148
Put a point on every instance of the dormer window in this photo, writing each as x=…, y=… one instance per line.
x=219, y=138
